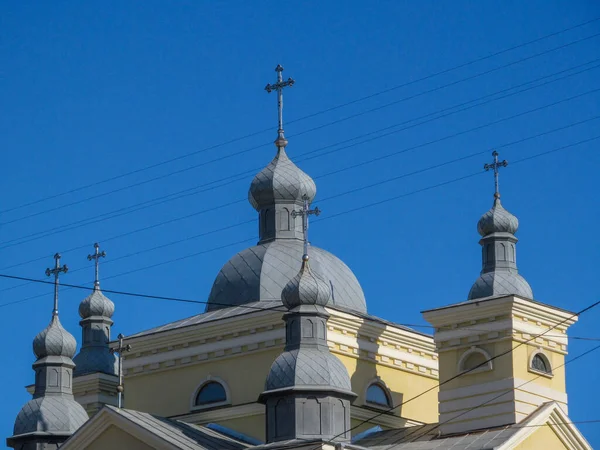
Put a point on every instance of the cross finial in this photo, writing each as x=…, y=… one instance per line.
x=495, y=166
x=278, y=86
x=305, y=212
x=119, y=350
x=56, y=272
x=96, y=257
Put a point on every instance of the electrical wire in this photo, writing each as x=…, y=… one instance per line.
x=384, y=91
x=352, y=116
x=436, y=114
x=323, y=200
x=329, y=217
x=484, y=363
x=502, y=394
x=60, y=229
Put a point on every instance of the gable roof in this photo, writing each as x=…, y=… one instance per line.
x=153, y=430
x=426, y=437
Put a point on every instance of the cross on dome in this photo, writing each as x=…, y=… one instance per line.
x=278, y=86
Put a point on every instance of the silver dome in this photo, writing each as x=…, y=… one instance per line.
x=497, y=220
x=261, y=272
x=281, y=180
x=307, y=367
x=50, y=414
x=54, y=340
x=500, y=283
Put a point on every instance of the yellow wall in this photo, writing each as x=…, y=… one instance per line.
x=115, y=439
x=169, y=393
x=511, y=365
x=542, y=439
x=403, y=386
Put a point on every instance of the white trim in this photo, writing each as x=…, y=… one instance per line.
x=210, y=379
x=547, y=361
x=485, y=368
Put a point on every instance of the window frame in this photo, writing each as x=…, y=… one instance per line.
x=545, y=359
x=196, y=407
x=386, y=392
x=489, y=366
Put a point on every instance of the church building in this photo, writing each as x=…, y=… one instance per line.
x=286, y=355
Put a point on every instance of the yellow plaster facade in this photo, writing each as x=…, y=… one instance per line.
x=544, y=438
x=508, y=388
x=164, y=370
x=115, y=438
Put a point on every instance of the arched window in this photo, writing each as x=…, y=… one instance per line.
x=474, y=360
x=211, y=393
x=378, y=395
x=540, y=363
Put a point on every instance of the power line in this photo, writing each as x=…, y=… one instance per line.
x=327, y=218
x=487, y=361
x=505, y=392
x=323, y=200
x=352, y=116
x=127, y=210
x=384, y=91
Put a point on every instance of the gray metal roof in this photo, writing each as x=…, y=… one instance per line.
x=500, y=283
x=260, y=273
x=54, y=340
x=182, y=435
x=51, y=414
x=281, y=180
x=96, y=304
x=308, y=367
x=497, y=220
x=306, y=288
x=424, y=437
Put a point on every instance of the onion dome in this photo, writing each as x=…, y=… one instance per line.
x=497, y=220
x=96, y=304
x=54, y=340
x=280, y=181
x=306, y=288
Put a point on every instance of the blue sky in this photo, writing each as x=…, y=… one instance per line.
x=93, y=90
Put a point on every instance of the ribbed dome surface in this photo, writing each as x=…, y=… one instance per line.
x=497, y=220
x=307, y=367
x=54, y=340
x=280, y=180
x=499, y=284
x=50, y=414
x=261, y=272
x=96, y=304
x=306, y=288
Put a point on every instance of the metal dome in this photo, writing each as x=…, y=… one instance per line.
x=260, y=273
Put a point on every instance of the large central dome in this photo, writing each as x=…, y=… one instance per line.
x=261, y=272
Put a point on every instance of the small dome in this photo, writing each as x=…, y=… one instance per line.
x=51, y=414
x=96, y=304
x=306, y=288
x=259, y=273
x=308, y=367
x=281, y=180
x=500, y=283
x=497, y=220
x=54, y=340
x=95, y=359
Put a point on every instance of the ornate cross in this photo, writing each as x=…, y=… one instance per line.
x=305, y=212
x=278, y=86
x=56, y=272
x=495, y=166
x=96, y=257
x=119, y=350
